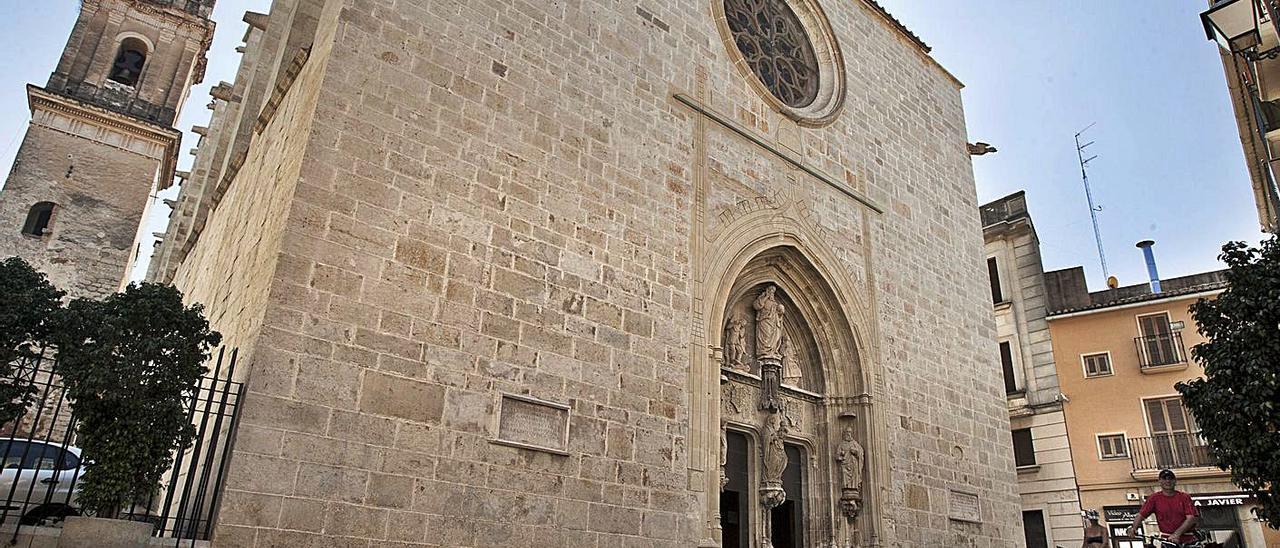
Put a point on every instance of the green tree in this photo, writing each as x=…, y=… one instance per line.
x=28, y=304
x=128, y=363
x=1237, y=403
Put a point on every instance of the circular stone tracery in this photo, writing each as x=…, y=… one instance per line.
x=788, y=53
x=774, y=44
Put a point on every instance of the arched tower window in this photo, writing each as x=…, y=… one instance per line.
x=129, y=62
x=38, y=219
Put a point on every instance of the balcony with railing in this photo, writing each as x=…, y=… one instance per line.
x=1173, y=451
x=1163, y=350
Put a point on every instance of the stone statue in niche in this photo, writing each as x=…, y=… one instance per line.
x=851, y=457
x=735, y=343
x=769, y=313
x=775, y=461
x=792, y=370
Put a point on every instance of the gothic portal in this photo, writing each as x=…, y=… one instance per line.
x=792, y=459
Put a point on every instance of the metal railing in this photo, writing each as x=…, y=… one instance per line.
x=42, y=465
x=1161, y=349
x=1186, y=450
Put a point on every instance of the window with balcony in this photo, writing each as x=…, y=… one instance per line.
x=1024, y=449
x=1175, y=439
x=1097, y=365
x=1112, y=446
x=1159, y=344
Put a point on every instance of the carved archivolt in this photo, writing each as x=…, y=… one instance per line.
x=775, y=365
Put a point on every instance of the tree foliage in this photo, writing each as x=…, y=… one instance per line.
x=28, y=304
x=128, y=362
x=1237, y=403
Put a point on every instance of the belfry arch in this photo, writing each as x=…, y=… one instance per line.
x=814, y=400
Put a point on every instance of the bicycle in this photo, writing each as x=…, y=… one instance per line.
x=1151, y=541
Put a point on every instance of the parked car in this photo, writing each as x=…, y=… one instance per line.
x=37, y=481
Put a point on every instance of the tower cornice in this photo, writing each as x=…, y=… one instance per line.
x=164, y=141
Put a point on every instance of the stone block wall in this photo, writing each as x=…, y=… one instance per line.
x=100, y=192
x=232, y=268
x=495, y=197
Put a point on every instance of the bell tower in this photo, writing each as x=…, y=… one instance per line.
x=101, y=140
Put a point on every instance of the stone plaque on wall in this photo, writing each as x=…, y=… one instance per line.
x=531, y=423
x=965, y=507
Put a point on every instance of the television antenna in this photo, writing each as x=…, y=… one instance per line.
x=1088, y=192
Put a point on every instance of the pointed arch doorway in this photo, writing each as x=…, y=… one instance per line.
x=792, y=452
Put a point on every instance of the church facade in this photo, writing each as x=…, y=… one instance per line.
x=656, y=274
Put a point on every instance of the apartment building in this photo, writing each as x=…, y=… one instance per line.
x=1042, y=451
x=1119, y=352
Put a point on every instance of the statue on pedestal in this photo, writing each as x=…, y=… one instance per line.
x=851, y=457
x=735, y=344
x=775, y=461
x=769, y=313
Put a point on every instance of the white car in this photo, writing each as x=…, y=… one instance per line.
x=36, y=481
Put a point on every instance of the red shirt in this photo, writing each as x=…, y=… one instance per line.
x=1170, y=511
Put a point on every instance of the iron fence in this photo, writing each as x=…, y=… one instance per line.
x=1186, y=450
x=1161, y=349
x=42, y=465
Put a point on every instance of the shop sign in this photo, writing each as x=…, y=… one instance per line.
x=1120, y=514
x=1235, y=499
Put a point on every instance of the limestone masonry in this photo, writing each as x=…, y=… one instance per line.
x=597, y=274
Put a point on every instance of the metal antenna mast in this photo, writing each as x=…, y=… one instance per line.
x=1093, y=209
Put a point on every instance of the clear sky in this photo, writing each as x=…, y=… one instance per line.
x=1169, y=166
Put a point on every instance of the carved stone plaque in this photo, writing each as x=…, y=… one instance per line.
x=531, y=423
x=965, y=507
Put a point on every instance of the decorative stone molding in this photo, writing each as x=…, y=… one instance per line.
x=61, y=113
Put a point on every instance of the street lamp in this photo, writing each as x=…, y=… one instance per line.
x=1233, y=24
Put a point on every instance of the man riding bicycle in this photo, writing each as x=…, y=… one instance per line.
x=1175, y=513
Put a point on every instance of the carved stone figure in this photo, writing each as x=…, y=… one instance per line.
x=791, y=415
x=731, y=396
x=735, y=344
x=724, y=455
x=850, y=455
x=792, y=370
x=775, y=460
x=770, y=381
x=769, y=313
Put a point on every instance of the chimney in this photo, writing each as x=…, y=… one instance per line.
x=1145, y=246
